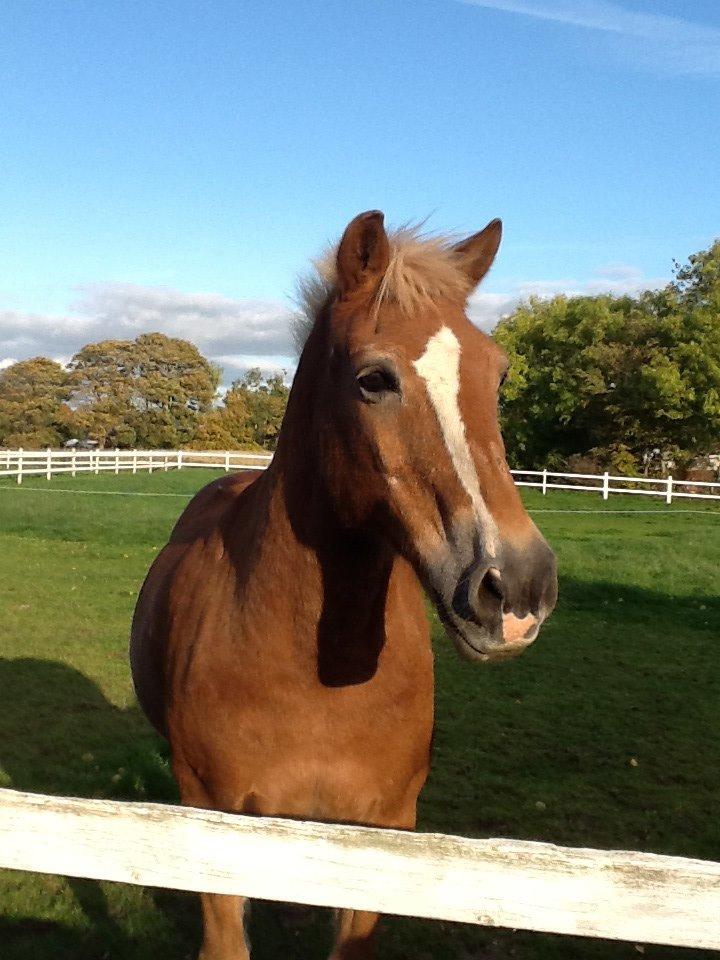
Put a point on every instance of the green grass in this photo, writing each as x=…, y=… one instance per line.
x=604, y=734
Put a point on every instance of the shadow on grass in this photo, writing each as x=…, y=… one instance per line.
x=59, y=735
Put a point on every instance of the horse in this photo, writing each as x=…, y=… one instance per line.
x=280, y=641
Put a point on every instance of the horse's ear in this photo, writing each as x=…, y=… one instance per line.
x=364, y=252
x=478, y=251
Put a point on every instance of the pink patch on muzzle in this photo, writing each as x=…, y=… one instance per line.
x=518, y=630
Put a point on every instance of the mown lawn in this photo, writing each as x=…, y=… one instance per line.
x=604, y=734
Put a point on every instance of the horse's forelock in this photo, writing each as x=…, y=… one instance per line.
x=423, y=269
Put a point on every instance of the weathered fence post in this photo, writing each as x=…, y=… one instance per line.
x=227, y=461
x=179, y=460
x=73, y=463
x=606, y=485
x=48, y=471
x=19, y=464
x=134, y=461
x=668, y=495
x=117, y=459
x=544, y=481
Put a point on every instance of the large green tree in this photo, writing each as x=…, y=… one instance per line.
x=225, y=427
x=616, y=377
x=147, y=392
x=266, y=399
x=33, y=407
x=250, y=414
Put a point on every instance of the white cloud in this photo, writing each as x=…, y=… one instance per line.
x=235, y=365
x=666, y=42
x=237, y=334
x=485, y=309
x=215, y=324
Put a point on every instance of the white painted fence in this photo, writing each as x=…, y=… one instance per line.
x=48, y=463
x=606, y=483
x=641, y=897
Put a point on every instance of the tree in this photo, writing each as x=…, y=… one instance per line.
x=147, y=392
x=616, y=377
x=33, y=404
x=250, y=416
x=266, y=400
x=226, y=427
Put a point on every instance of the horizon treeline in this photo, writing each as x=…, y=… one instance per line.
x=624, y=383
x=154, y=392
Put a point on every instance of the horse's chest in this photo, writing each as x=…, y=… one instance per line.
x=350, y=758
x=296, y=747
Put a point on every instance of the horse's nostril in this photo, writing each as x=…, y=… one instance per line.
x=492, y=583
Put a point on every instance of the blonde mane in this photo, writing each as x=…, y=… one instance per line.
x=423, y=269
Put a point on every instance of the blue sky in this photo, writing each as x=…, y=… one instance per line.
x=172, y=165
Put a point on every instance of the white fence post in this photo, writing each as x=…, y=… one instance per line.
x=97, y=461
x=179, y=462
x=606, y=485
x=48, y=470
x=73, y=463
x=117, y=460
x=20, y=465
x=668, y=495
x=150, y=462
x=134, y=461
x=227, y=461
x=544, y=481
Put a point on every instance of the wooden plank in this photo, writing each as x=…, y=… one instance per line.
x=519, y=884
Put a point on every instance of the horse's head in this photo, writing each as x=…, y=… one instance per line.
x=405, y=415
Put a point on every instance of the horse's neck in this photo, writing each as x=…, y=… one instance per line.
x=336, y=587
x=331, y=586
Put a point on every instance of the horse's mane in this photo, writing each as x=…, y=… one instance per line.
x=422, y=269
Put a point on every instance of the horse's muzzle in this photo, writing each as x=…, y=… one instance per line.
x=497, y=610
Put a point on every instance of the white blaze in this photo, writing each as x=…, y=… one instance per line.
x=439, y=367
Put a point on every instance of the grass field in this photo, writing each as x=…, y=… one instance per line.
x=605, y=734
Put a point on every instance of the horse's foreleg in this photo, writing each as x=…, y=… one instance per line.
x=354, y=940
x=223, y=916
x=356, y=928
x=223, y=928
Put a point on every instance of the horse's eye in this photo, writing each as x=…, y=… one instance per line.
x=375, y=383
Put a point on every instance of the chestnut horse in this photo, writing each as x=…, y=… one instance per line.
x=280, y=640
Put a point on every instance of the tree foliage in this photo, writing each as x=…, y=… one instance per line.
x=618, y=377
x=33, y=411
x=266, y=400
x=146, y=392
x=152, y=392
x=226, y=427
x=250, y=416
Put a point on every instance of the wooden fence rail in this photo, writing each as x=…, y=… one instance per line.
x=619, y=895
x=49, y=463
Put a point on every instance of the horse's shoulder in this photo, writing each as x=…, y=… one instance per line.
x=211, y=504
x=175, y=571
